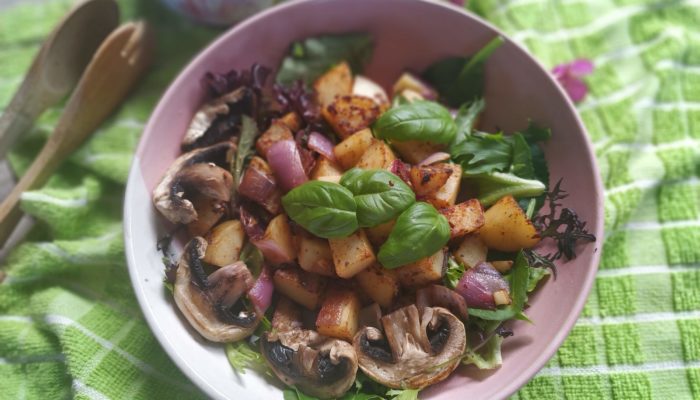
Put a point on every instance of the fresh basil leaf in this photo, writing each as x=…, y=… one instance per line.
x=403, y=394
x=420, y=120
x=482, y=153
x=454, y=273
x=249, y=131
x=420, y=231
x=491, y=187
x=461, y=79
x=325, y=209
x=380, y=196
x=466, y=119
x=522, y=158
x=310, y=58
x=519, y=281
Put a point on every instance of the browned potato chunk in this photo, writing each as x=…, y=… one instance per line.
x=337, y=81
x=464, y=218
x=409, y=82
x=303, y=287
x=366, y=87
x=278, y=231
x=277, y=131
x=423, y=271
x=428, y=179
x=502, y=266
x=287, y=316
x=325, y=168
x=414, y=151
x=349, y=151
x=447, y=195
x=507, y=228
x=471, y=251
x=225, y=243
x=351, y=254
x=379, y=234
x=315, y=256
x=377, y=156
x=339, y=314
x=209, y=212
x=380, y=284
x=349, y=114
x=292, y=120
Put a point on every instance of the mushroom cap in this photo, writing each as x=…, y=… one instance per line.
x=206, y=303
x=319, y=366
x=169, y=195
x=203, y=129
x=415, y=350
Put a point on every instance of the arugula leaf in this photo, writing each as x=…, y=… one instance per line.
x=495, y=185
x=241, y=357
x=461, y=79
x=403, y=394
x=325, y=209
x=380, y=196
x=418, y=120
x=310, y=58
x=482, y=153
x=454, y=273
x=488, y=356
x=249, y=131
x=522, y=158
x=519, y=281
x=466, y=118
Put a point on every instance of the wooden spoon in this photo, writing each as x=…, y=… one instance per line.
x=113, y=71
x=58, y=66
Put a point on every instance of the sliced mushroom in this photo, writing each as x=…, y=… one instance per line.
x=319, y=366
x=186, y=175
x=218, y=119
x=441, y=296
x=211, y=303
x=414, y=351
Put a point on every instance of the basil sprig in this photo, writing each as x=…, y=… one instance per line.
x=420, y=231
x=325, y=209
x=419, y=120
x=380, y=196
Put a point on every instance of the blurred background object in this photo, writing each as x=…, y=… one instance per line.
x=218, y=12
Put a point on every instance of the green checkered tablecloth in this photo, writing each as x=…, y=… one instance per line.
x=69, y=322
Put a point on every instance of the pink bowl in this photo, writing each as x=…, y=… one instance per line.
x=408, y=34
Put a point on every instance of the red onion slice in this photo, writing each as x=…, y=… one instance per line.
x=478, y=285
x=260, y=186
x=285, y=160
x=261, y=292
x=322, y=145
x=435, y=158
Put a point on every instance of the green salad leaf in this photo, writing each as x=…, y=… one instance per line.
x=482, y=153
x=419, y=120
x=461, y=79
x=380, y=196
x=536, y=275
x=420, y=231
x=249, y=131
x=241, y=356
x=403, y=394
x=466, y=119
x=325, y=209
x=253, y=258
x=519, y=282
x=495, y=185
x=454, y=273
x=487, y=356
x=310, y=58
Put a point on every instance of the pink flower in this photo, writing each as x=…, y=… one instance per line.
x=569, y=76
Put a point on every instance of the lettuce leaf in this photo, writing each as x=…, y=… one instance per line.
x=488, y=356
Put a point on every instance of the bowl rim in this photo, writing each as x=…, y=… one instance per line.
x=510, y=387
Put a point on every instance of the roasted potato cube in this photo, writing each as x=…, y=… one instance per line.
x=349, y=151
x=337, y=81
x=464, y=218
x=409, y=82
x=325, y=168
x=502, y=266
x=303, y=287
x=292, y=120
x=225, y=243
x=287, y=316
x=315, y=256
x=507, y=228
x=379, y=234
x=423, y=271
x=349, y=114
x=428, y=179
x=209, y=212
x=278, y=231
x=471, y=251
x=339, y=315
x=351, y=254
x=377, y=156
x=501, y=298
x=447, y=195
x=380, y=284
x=414, y=151
x=277, y=131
